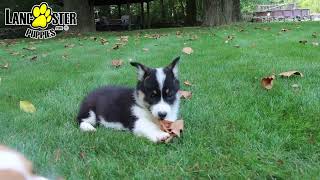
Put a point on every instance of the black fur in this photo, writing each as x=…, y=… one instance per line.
x=112, y=103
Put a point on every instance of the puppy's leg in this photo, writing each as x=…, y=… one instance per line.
x=88, y=123
x=149, y=130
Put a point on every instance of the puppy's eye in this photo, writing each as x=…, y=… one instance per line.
x=168, y=93
x=154, y=93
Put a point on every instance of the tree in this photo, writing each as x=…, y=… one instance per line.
x=191, y=9
x=85, y=14
x=219, y=12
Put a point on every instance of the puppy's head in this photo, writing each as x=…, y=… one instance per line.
x=158, y=88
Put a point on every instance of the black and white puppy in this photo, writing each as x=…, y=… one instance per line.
x=136, y=109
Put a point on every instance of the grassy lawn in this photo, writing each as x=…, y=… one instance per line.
x=234, y=128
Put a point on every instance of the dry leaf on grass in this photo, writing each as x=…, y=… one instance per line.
x=65, y=56
x=187, y=50
x=193, y=37
x=145, y=49
x=115, y=47
x=315, y=43
x=314, y=35
x=81, y=154
x=173, y=128
x=152, y=36
x=93, y=38
x=103, y=41
x=303, y=42
x=33, y=58
x=27, y=106
x=267, y=82
x=57, y=155
x=185, y=94
x=14, y=53
x=290, y=73
x=187, y=83
x=117, y=63
x=69, y=45
x=5, y=66
x=124, y=39
x=30, y=48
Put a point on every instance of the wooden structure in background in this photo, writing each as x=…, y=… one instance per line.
x=128, y=2
x=280, y=12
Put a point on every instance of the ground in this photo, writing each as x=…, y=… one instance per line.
x=234, y=127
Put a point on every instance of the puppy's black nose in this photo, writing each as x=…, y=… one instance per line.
x=162, y=115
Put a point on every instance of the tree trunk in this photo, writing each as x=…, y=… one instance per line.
x=163, y=16
x=191, y=9
x=85, y=14
x=219, y=12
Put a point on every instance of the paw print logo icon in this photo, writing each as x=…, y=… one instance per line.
x=42, y=16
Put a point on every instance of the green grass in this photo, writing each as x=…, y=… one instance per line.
x=234, y=127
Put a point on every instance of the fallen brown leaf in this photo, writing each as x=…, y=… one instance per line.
x=187, y=50
x=145, y=49
x=303, y=42
x=193, y=37
x=267, y=82
x=185, y=94
x=314, y=34
x=5, y=66
x=173, y=128
x=32, y=48
x=81, y=154
x=315, y=43
x=65, y=56
x=33, y=58
x=14, y=53
x=152, y=36
x=103, y=41
x=93, y=38
x=117, y=63
x=116, y=46
x=69, y=46
x=290, y=73
x=57, y=155
x=187, y=83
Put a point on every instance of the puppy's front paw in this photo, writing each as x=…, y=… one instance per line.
x=86, y=127
x=159, y=136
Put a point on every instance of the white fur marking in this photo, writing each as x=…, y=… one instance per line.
x=113, y=125
x=91, y=119
x=140, y=73
x=84, y=126
x=175, y=71
x=160, y=107
x=161, y=76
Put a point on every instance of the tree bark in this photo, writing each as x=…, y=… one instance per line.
x=191, y=9
x=163, y=16
x=219, y=12
x=85, y=14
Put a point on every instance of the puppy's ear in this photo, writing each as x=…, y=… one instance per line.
x=142, y=70
x=174, y=66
